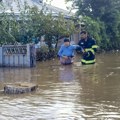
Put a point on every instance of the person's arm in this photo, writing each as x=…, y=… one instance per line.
x=81, y=45
x=78, y=48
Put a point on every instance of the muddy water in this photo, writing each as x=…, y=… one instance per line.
x=72, y=92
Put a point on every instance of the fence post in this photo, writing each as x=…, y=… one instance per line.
x=32, y=55
x=28, y=55
x=1, y=56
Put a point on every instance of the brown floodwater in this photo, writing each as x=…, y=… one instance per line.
x=72, y=92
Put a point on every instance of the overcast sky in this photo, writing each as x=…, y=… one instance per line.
x=59, y=3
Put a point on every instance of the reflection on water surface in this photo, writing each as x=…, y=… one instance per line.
x=72, y=92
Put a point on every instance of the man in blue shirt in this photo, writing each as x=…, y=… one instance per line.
x=66, y=52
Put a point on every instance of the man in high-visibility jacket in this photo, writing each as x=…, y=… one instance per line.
x=89, y=48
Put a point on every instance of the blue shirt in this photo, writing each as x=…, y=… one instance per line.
x=67, y=50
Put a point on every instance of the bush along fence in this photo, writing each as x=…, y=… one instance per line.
x=17, y=56
x=43, y=53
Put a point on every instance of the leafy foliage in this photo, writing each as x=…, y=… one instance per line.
x=32, y=23
x=103, y=17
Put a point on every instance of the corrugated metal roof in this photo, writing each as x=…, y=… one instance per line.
x=17, y=5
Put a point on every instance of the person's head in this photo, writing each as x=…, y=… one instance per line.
x=83, y=34
x=66, y=42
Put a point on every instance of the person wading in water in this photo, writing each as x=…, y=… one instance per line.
x=66, y=52
x=89, y=48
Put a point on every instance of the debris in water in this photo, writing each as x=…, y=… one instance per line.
x=18, y=88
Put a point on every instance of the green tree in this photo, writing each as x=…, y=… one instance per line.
x=33, y=23
x=106, y=12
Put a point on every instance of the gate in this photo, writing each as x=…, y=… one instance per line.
x=17, y=56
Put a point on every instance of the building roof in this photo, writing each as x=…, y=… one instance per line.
x=16, y=6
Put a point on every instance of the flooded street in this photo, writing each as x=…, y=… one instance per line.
x=73, y=92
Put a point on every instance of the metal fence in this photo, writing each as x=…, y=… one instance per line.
x=17, y=56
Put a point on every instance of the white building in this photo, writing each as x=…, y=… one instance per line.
x=16, y=6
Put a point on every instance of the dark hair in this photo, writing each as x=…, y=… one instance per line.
x=66, y=40
x=83, y=32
